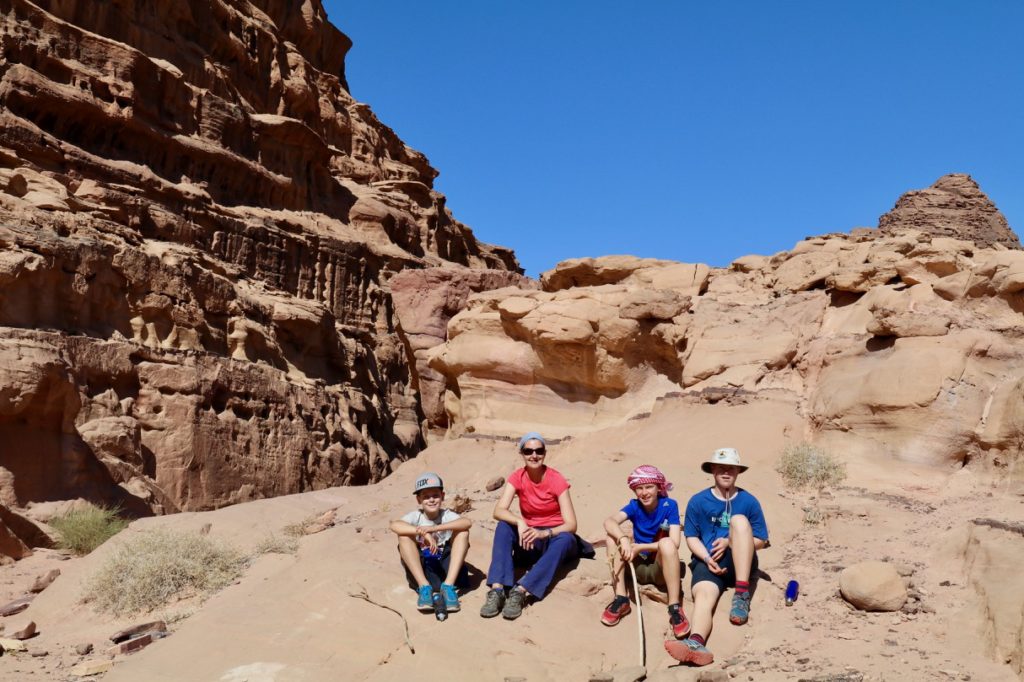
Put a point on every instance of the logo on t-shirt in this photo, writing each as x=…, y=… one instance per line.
x=722, y=520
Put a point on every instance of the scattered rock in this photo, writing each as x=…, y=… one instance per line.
x=131, y=645
x=16, y=606
x=873, y=586
x=23, y=630
x=94, y=667
x=39, y=653
x=461, y=504
x=135, y=630
x=494, y=483
x=43, y=581
x=712, y=676
x=8, y=644
x=83, y=649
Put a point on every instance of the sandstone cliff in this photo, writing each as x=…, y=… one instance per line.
x=198, y=225
x=904, y=343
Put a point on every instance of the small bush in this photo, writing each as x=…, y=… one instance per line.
x=805, y=466
x=272, y=544
x=83, y=529
x=158, y=566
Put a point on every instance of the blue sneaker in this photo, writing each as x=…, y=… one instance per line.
x=689, y=651
x=425, y=602
x=740, y=608
x=451, y=599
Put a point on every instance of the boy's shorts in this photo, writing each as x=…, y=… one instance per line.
x=436, y=570
x=648, y=570
x=701, y=573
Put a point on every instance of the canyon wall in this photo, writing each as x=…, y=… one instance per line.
x=198, y=229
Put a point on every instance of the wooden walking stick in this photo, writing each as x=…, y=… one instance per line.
x=639, y=616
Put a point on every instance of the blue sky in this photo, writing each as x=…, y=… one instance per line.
x=697, y=132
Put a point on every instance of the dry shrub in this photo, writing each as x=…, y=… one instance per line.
x=273, y=544
x=804, y=466
x=159, y=566
x=84, y=528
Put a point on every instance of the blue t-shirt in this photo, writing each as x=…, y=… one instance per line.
x=646, y=526
x=706, y=516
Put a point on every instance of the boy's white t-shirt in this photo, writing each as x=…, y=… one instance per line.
x=418, y=518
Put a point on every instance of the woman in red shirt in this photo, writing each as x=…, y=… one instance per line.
x=541, y=537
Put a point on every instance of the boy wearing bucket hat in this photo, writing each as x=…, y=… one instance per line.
x=653, y=547
x=724, y=527
x=433, y=542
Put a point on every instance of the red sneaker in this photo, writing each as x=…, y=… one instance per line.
x=614, y=612
x=677, y=619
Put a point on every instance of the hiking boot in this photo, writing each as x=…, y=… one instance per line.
x=451, y=599
x=514, y=604
x=689, y=651
x=740, y=608
x=677, y=619
x=425, y=601
x=614, y=612
x=495, y=600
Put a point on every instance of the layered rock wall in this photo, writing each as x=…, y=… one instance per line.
x=198, y=227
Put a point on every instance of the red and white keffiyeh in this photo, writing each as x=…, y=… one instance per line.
x=646, y=473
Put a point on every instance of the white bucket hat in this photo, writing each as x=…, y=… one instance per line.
x=727, y=456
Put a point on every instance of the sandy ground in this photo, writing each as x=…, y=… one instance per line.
x=295, y=617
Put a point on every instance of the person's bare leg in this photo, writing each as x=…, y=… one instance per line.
x=410, y=553
x=460, y=548
x=705, y=598
x=668, y=559
x=618, y=574
x=741, y=542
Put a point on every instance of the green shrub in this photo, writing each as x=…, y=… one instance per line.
x=85, y=528
x=805, y=466
x=159, y=566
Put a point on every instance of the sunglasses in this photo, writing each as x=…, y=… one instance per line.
x=533, y=451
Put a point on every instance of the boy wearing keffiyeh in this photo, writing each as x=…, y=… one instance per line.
x=653, y=547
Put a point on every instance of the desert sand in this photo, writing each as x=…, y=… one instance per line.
x=293, y=617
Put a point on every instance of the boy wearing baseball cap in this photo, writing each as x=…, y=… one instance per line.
x=433, y=542
x=724, y=527
x=653, y=547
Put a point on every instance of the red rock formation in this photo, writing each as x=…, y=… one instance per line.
x=198, y=225
x=952, y=207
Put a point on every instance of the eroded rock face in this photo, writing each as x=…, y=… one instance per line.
x=198, y=229
x=425, y=301
x=952, y=207
x=901, y=343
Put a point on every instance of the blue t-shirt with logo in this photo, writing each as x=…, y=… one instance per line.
x=707, y=518
x=648, y=527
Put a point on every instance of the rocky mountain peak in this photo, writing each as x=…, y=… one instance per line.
x=954, y=206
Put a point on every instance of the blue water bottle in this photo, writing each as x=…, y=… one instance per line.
x=792, y=592
x=440, y=608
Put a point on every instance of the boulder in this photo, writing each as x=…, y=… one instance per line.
x=873, y=586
